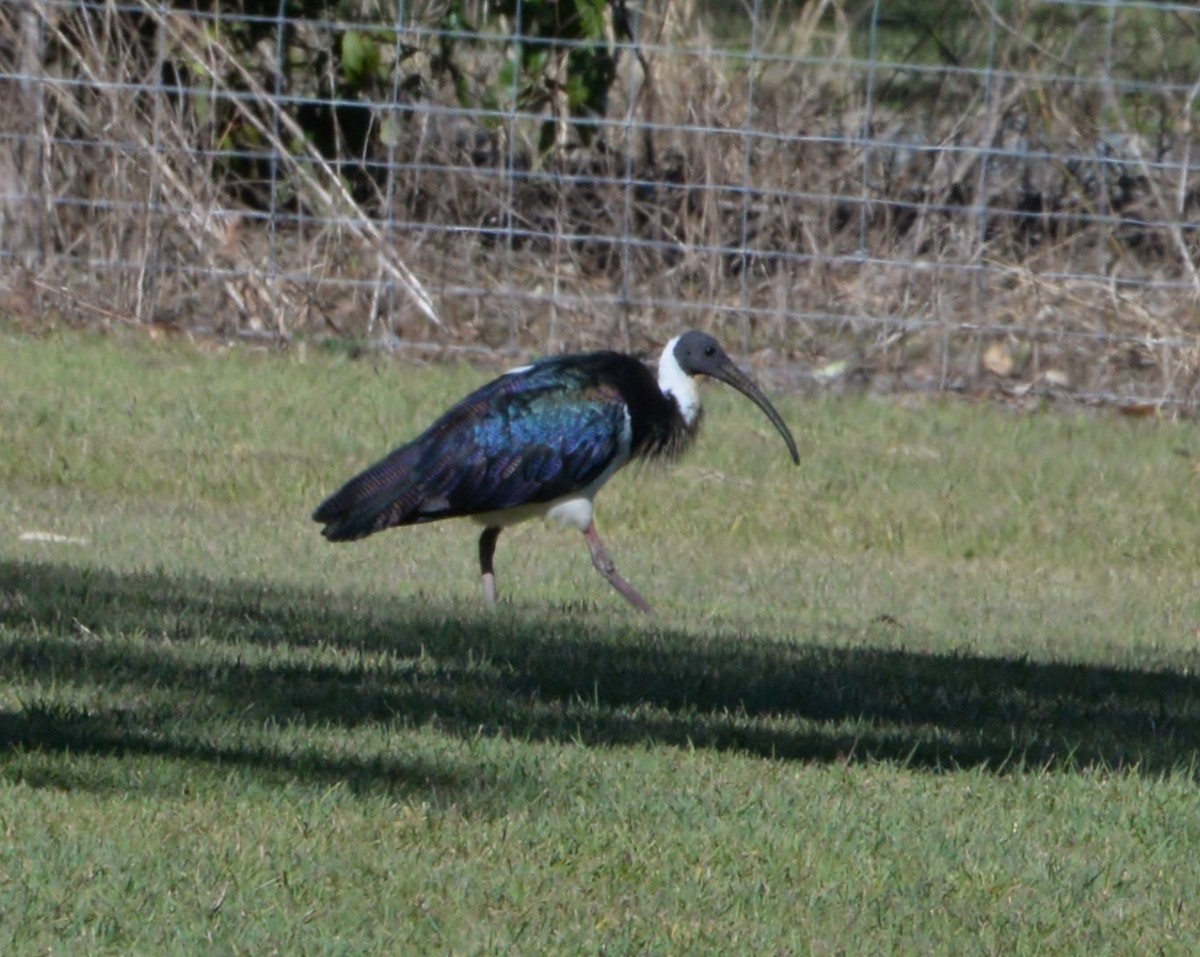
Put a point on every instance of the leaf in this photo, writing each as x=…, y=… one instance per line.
x=536, y=59
x=997, y=359
x=507, y=76
x=1139, y=410
x=353, y=53
x=830, y=371
x=390, y=131
x=360, y=58
x=591, y=17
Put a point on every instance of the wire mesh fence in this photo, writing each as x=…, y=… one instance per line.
x=886, y=194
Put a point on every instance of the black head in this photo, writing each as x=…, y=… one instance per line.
x=698, y=353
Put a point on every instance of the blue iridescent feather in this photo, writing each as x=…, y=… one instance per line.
x=526, y=438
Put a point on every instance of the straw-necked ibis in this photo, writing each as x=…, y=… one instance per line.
x=542, y=440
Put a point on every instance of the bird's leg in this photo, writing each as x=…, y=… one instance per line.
x=605, y=566
x=487, y=548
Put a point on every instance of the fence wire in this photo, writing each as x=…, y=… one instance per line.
x=967, y=194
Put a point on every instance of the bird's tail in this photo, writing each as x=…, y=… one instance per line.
x=379, y=497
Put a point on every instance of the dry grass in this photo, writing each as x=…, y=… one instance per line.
x=923, y=223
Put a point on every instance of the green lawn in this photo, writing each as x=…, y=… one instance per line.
x=933, y=692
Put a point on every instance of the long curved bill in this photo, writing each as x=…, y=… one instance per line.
x=730, y=374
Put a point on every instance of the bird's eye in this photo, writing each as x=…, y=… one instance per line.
x=710, y=350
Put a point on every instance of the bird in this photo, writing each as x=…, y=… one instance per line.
x=542, y=440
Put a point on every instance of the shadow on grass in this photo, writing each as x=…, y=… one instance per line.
x=117, y=731
x=286, y=658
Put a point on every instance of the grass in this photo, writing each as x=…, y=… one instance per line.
x=933, y=692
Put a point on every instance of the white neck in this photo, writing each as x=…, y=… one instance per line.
x=673, y=381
